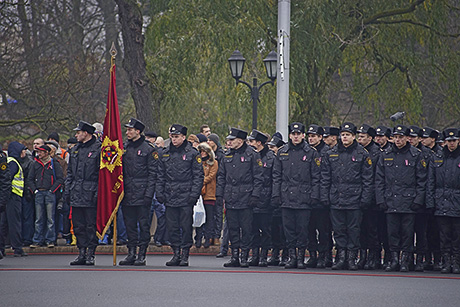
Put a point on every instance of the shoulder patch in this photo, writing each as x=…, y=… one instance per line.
x=423, y=163
x=3, y=166
x=198, y=159
x=318, y=161
x=155, y=155
x=369, y=161
x=259, y=162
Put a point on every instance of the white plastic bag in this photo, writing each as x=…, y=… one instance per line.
x=199, y=214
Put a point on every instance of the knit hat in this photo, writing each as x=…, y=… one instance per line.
x=215, y=138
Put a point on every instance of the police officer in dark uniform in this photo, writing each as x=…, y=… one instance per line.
x=81, y=190
x=330, y=136
x=179, y=183
x=278, y=237
x=433, y=260
x=262, y=213
x=239, y=183
x=320, y=228
x=140, y=161
x=369, y=238
x=296, y=179
x=346, y=185
x=5, y=185
x=422, y=216
x=400, y=191
x=443, y=189
x=382, y=137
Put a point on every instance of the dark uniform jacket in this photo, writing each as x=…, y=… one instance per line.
x=5, y=180
x=47, y=176
x=347, y=177
x=322, y=148
x=400, y=179
x=83, y=174
x=374, y=153
x=443, y=188
x=268, y=160
x=180, y=175
x=239, y=177
x=140, y=163
x=296, y=176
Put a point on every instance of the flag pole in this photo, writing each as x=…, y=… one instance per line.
x=113, y=52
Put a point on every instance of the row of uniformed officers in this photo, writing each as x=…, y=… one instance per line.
x=292, y=197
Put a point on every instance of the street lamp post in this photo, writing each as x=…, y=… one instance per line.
x=236, y=62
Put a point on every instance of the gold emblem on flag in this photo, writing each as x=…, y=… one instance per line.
x=111, y=154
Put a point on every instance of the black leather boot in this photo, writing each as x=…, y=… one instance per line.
x=254, y=260
x=175, y=260
x=340, y=260
x=419, y=263
x=292, y=262
x=81, y=259
x=301, y=259
x=140, y=261
x=394, y=264
x=428, y=264
x=275, y=257
x=352, y=256
x=129, y=260
x=362, y=259
x=386, y=259
x=263, y=258
x=411, y=262
x=244, y=258
x=90, y=256
x=456, y=264
x=207, y=243
x=405, y=257
x=184, y=256
x=328, y=259
x=234, y=260
x=284, y=257
x=370, y=262
x=447, y=266
x=321, y=264
x=437, y=262
x=312, y=260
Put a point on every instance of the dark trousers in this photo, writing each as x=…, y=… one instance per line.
x=295, y=225
x=28, y=228
x=449, y=234
x=346, y=225
x=420, y=228
x=219, y=220
x=84, y=226
x=320, y=231
x=278, y=237
x=11, y=223
x=382, y=230
x=239, y=222
x=225, y=237
x=369, y=237
x=432, y=234
x=134, y=216
x=179, y=222
x=401, y=231
x=262, y=230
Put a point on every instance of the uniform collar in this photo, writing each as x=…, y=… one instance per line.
x=342, y=148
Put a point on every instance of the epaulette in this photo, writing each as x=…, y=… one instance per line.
x=414, y=151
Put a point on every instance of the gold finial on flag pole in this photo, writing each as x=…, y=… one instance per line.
x=113, y=53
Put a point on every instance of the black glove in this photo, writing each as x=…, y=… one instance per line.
x=191, y=201
x=383, y=206
x=219, y=201
x=276, y=202
x=416, y=207
x=253, y=201
x=160, y=199
x=147, y=201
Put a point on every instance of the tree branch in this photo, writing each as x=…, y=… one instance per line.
x=409, y=21
x=394, y=12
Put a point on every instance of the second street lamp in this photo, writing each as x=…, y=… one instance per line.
x=236, y=62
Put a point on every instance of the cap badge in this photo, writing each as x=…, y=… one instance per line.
x=296, y=126
x=347, y=126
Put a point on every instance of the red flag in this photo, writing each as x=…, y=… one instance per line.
x=111, y=190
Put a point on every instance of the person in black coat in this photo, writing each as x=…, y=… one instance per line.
x=320, y=227
x=140, y=161
x=400, y=190
x=296, y=180
x=179, y=183
x=81, y=191
x=261, y=222
x=239, y=183
x=346, y=186
x=443, y=195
